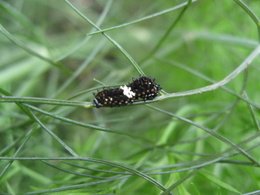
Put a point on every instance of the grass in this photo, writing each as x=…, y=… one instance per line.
x=200, y=136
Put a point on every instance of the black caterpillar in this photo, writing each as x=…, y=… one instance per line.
x=141, y=89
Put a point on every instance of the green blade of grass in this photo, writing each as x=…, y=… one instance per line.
x=35, y=100
x=143, y=18
x=212, y=133
x=22, y=45
x=99, y=161
x=117, y=45
x=220, y=183
x=251, y=14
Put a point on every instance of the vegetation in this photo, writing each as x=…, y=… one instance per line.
x=201, y=135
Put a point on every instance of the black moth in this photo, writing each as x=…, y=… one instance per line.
x=140, y=89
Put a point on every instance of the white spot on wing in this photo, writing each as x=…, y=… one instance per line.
x=127, y=91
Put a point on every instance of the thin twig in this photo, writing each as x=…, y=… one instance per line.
x=214, y=86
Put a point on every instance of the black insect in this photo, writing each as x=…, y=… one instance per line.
x=140, y=89
x=111, y=98
x=145, y=88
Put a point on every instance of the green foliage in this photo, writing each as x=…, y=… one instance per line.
x=200, y=136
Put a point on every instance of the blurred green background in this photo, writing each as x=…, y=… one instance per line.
x=53, y=60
